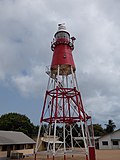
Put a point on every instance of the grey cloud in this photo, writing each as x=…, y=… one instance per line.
x=27, y=28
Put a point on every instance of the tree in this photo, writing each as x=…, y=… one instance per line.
x=17, y=122
x=110, y=126
x=98, y=130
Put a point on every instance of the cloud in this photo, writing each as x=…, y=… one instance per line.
x=22, y=42
x=31, y=84
x=27, y=28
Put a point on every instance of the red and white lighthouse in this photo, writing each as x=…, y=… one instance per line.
x=63, y=109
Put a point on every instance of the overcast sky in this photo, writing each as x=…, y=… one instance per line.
x=26, y=31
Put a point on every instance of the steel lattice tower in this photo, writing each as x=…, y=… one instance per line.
x=63, y=109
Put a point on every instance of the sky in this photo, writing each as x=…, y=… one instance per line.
x=27, y=28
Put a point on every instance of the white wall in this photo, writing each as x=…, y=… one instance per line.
x=109, y=138
x=105, y=138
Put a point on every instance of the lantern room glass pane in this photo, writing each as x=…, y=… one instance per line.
x=62, y=35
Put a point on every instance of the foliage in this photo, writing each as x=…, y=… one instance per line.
x=17, y=122
x=98, y=130
x=110, y=126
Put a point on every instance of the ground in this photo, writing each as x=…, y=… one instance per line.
x=107, y=154
x=100, y=155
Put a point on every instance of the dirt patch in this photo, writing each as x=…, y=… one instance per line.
x=100, y=155
x=107, y=154
x=58, y=158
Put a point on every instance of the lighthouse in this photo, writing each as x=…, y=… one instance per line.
x=64, y=123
